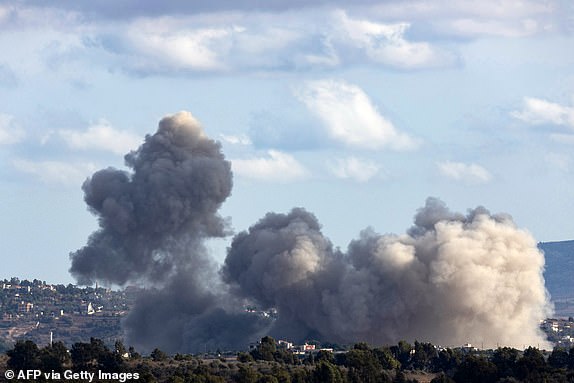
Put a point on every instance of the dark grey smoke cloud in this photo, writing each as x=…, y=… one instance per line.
x=450, y=279
x=153, y=221
x=179, y=180
x=191, y=314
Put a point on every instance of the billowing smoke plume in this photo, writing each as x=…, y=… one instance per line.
x=451, y=279
x=179, y=180
x=153, y=221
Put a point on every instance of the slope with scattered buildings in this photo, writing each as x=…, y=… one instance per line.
x=560, y=331
x=36, y=310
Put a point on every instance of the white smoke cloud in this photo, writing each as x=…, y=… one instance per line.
x=350, y=117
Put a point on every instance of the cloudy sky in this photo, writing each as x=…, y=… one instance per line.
x=356, y=112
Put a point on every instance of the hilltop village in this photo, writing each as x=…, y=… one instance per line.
x=41, y=312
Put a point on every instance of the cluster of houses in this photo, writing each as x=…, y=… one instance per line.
x=559, y=331
x=37, y=299
x=298, y=350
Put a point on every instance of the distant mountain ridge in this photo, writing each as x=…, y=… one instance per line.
x=559, y=272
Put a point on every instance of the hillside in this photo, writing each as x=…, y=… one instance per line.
x=559, y=274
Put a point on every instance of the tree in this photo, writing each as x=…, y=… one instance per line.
x=558, y=358
x=386, y=358
x=504, y=358
x=54, y=357
x=423, y=355
x=265, y=349
x=93, y=355
x=158, y=355
x=326, y=372
x=327, y=356
x=476, y=369
x=246, y=374
x=284, y=356
x=82, y=355
x=300, y=375
x=363, y=366
x=244, y=357
x=109, y=361
x=281, y=374
x=120, y=348
x=24, y=356
x=531, y=364
x=402, y=353
x=133, y=353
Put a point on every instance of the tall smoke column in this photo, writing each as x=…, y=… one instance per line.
x=180, y=179
x=450, y=280
x=153, y=221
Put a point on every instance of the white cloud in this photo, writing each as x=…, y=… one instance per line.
x=56, y=172
x=262, y=41
x=350, y=117
x=476, y=19
x=537, y=111
x=101, y=136
x=10, y=133
x=386, y=44
x=471, y=173
x=185, y=38
x=166, y=43
x=355, y=169
x=277, y=167
x=240, y=139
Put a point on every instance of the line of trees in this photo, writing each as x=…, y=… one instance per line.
x=95, y=355
x=268, y=363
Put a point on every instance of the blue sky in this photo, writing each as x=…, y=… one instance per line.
x=356, y=112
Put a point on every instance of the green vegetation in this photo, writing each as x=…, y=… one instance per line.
x=269, y=363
